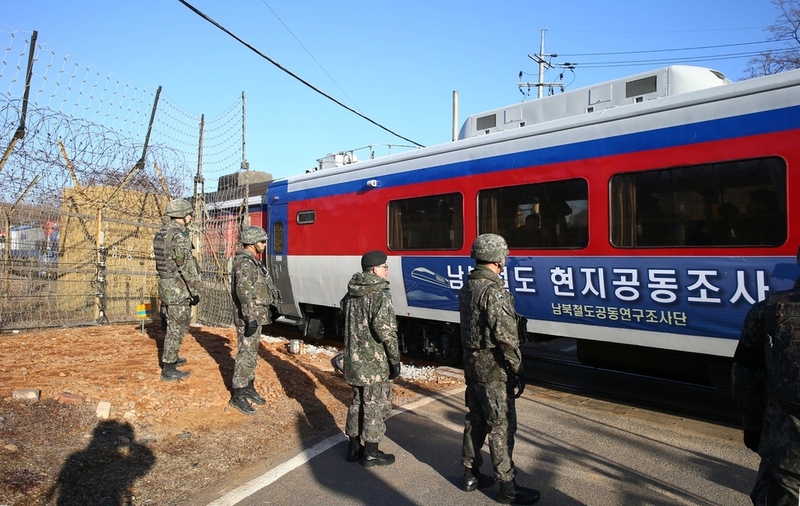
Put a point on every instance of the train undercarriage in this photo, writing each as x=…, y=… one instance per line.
x=434, y=341
x=440, y=342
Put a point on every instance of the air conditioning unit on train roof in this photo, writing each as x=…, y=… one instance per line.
x=332, y=160
x=635, y=89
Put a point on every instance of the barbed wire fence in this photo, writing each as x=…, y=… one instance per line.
x=88, y=163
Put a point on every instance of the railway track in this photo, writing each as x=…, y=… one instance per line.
x=566, y=374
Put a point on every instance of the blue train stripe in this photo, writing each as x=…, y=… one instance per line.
x=683, y=135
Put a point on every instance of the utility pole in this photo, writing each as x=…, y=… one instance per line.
x=541, y=59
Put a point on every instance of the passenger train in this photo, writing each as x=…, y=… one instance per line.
x=644, y=217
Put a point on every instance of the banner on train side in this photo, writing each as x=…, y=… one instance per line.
x=684, y=295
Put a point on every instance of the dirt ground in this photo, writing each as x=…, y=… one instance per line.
x=164, y=442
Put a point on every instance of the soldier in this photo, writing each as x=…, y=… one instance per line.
x=766, y=368
x=253, y=293
x=371, y=358
x=178, y=283
x=493, y=371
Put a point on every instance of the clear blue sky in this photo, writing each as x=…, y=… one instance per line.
x=397, y=62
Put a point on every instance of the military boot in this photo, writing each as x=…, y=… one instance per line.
x=178, y=363
x=250, y=392
x=354, y=449
x=473, y=478
x=374, y=457
x=239, y=401
x=169, y=373
x=510, y=493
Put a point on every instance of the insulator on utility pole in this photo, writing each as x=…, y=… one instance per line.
x=540, y=59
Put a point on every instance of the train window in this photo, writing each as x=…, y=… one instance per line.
x=736, y=203
x=542, y=215
x=306, y=217
x=277, y=237
x=424, y=223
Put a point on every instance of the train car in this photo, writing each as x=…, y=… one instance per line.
x=644, y=217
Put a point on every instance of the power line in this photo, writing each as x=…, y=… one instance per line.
x=572, y=66
x=649, y=32
x=655, y=61
x=303, y=81
x=309, y=53
x=670, y=50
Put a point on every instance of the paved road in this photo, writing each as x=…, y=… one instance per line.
x=574, y=450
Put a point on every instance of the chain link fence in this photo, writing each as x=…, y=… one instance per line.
x=88, y=163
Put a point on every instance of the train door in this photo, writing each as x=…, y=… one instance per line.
x=279, y=260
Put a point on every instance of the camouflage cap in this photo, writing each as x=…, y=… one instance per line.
x=489, y=248
x=179, y=208
x=373, y=258
x=253, y=235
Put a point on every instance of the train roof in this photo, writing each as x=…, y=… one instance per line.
x=638, y=88
x=685, y=86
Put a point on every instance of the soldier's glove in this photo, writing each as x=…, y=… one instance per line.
x=394, y=370
x=195, y=300
x=519, y=385
x=751, y=439
x=251, y=328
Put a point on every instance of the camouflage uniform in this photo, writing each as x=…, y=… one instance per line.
x=370, y=340
x=178, y=283
x=253, y=292
x=765, y=375
x=491, y=359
